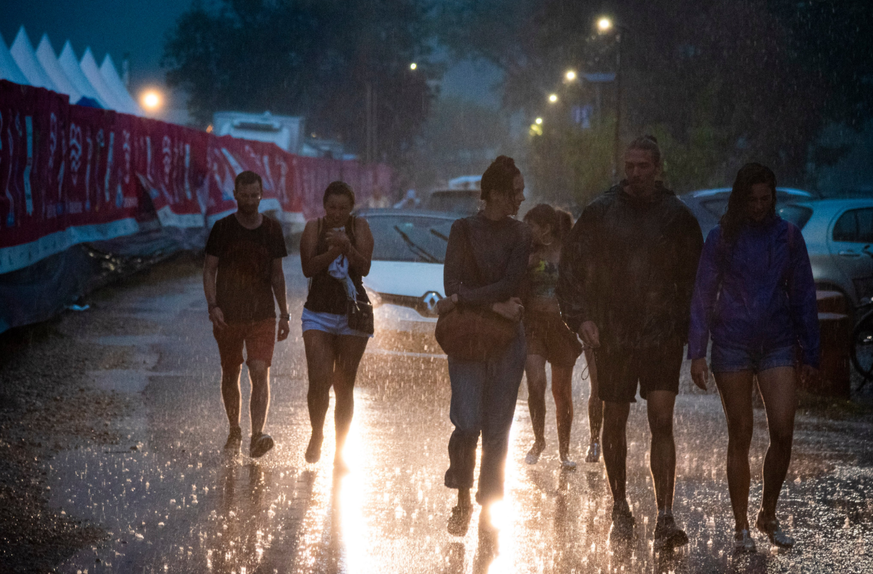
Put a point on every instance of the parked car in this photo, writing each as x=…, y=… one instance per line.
x=708, y=205
x=406, y=275
x=839, y=238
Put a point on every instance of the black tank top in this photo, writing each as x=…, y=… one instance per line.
x=326, y=294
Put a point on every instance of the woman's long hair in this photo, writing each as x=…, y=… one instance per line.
x=559, y=220
x=737, y=210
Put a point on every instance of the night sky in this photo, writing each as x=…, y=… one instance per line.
x=138, y=28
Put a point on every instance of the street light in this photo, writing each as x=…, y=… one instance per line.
x=570, y=75
x=539, y=121
x=553, y=98
x=605, y=25
x=151, y=100
x=413, y=66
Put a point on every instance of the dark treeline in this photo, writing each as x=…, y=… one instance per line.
x=718, y=81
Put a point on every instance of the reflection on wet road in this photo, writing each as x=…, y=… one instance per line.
x=173, y=502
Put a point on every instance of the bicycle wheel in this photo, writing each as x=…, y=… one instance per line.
x=862, y=346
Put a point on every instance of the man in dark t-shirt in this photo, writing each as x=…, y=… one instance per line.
x=242, y=274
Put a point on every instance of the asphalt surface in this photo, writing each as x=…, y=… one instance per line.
x=172, y=501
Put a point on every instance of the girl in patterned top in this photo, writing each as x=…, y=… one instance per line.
x=549, y=340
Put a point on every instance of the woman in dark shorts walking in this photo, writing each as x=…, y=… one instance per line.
x=755, y=294
x=335, y=253
x=549, y=339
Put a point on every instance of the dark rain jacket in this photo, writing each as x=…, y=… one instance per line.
x=629, y=265
x=756, y=293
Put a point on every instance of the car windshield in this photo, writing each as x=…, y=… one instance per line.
x=404, y=238
x=796, y=214
x=455, y=201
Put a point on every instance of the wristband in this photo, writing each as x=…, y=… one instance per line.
x=285, y=316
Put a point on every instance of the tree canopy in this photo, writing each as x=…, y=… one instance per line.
x=721, y=82
x=315, y=58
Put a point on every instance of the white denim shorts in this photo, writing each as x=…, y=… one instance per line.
x=329, y=323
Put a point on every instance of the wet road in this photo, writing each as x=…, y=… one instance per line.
x=174, y=503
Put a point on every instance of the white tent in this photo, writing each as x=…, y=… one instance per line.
x=49, y=61
x=22, y=52
x=70, y=65
x=114, y=83
x=92, y=72
x=9, y=70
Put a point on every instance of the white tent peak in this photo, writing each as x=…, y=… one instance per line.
x=89, y=67
x=49, y=61
x=9, y=69
x=114, y=83
x=70, y=64
x=22, y=52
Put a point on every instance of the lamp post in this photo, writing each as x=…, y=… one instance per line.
x=604, y=26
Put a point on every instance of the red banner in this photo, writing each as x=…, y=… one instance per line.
x=70, y=174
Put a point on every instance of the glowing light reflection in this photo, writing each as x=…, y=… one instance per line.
x=352, y=495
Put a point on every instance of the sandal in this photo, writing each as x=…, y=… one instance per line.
x=533, y=455
x=313, y=451
x=743, y=541
x=459, y=521
x=593, y=452
x=774, y=532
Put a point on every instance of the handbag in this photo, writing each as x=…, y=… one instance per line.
x=470, y=334
x=361, y=316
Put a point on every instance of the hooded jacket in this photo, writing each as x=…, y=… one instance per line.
x=629, y=265
x=756, y=293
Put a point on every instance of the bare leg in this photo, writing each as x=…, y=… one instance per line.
x=659, y=407
x=320, y=359
x=350, y=349
x=778, y=390
x=736, y=399
x=615, y=447
x=259, y=373
x=535, y=369
x=562, y=391
x=230, y=394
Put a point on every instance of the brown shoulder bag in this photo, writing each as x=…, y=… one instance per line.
x=469, y=334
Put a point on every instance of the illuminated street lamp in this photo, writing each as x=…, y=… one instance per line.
x=553, y=98
x=413, y=66
x=539, y=121
x=152, y=100
x=570, y=75
x=604, y=26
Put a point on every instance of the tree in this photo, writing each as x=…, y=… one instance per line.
x=460, y=138
x=722, y=81
x=317, y=59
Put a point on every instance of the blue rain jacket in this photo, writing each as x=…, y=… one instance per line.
x=757, y=294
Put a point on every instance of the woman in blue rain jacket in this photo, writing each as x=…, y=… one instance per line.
x=755, y=296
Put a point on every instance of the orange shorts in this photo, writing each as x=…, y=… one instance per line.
x=548, y=336
x=258, y=337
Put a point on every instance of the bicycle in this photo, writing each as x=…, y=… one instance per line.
x=861, y=350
